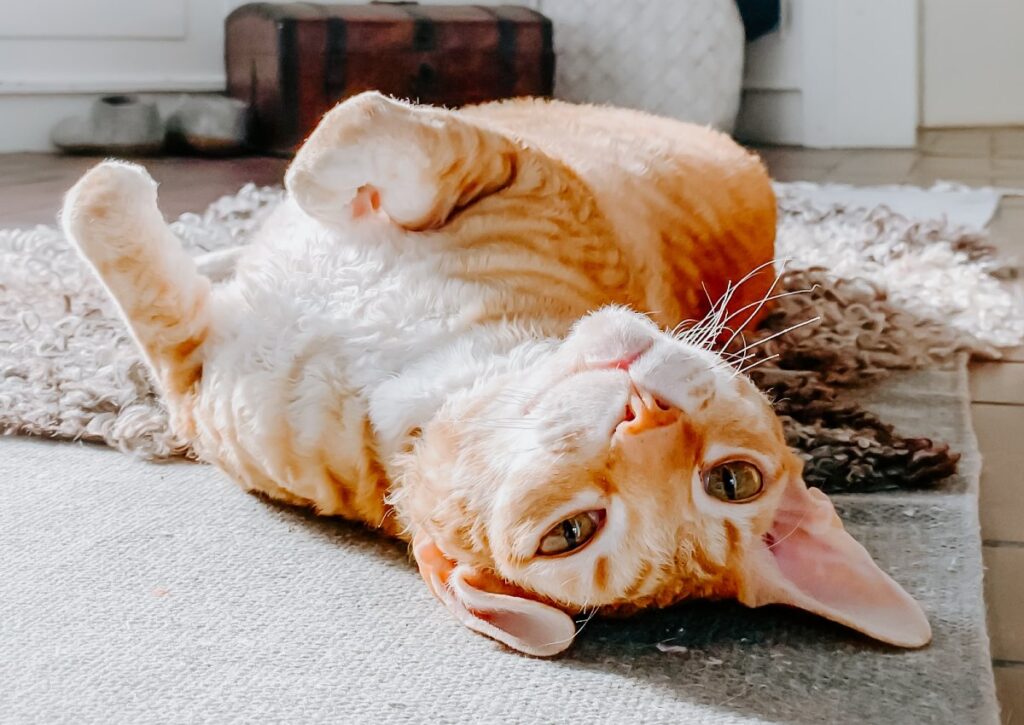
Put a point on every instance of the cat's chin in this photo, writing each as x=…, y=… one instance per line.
x=612, y=337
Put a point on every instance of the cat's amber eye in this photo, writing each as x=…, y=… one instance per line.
x=571, y=534
x=734, y=481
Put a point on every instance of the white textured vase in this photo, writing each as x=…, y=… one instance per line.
x=678, y=58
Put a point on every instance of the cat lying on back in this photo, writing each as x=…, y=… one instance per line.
x=433, y=335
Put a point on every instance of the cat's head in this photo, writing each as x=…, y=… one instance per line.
x=629, y=469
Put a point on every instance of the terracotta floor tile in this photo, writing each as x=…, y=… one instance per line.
x=1004, y=594
x=1006, y=166
x=999, y=429
x=954, y=167
x=956, y=142
x=961, y=141
x=808, y=158
x=894, y=165
x=1008, y=143
x=997, y=382
x=32, y=185
x=880, y=178
x=1010, y=690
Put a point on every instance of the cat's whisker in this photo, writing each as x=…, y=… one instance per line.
x=738, y=354
x=575, y=632
x=593, y=613
x=678, y=332
x=791, y=532
x=715, y=321
x=763, y=340
x=748, y=368
x=757, y=309
x=717, y=314
x=772, y=298
x=756, y=270
x=696, y=333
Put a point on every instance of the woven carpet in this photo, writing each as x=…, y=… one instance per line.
x=137, y=591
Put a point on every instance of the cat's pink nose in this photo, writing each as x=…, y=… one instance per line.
x=644, y=412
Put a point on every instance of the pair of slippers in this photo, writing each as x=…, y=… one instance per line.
x=130, y=126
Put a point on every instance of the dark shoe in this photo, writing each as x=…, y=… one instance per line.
x=208, y=125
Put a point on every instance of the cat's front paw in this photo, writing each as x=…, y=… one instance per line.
x=102, y=210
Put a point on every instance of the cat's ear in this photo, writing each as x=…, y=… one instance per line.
x=807, y=560
x=493, y=607
x=413, y=163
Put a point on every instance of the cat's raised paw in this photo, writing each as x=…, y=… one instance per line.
x=110, y=189
x=107, y=204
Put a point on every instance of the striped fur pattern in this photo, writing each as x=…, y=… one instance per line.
x=428, y=337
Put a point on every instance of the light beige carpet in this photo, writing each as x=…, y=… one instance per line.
x=140, y=592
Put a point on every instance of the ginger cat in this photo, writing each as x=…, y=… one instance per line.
x=434, y=336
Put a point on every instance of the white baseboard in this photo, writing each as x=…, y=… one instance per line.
x=29, y=118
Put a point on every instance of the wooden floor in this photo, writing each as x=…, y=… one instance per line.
x=31, y=186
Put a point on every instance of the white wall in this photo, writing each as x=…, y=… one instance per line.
x=57, y=55
x=835, y=74
x=838, y=73
x=973, y=63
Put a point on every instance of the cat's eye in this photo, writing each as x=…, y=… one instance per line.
x=571, y=534
x=734, y=481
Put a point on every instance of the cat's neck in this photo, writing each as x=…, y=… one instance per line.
x=401, y=406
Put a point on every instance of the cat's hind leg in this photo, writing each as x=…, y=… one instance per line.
x=112, y=216
x=416, y=164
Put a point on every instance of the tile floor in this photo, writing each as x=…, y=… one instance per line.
x=31, y=186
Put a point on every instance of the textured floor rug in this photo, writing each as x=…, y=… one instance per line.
x=141, y=592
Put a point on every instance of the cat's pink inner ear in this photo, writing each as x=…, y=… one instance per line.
x=807, y=560
x=492, y=607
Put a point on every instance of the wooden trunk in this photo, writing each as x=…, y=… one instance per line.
x=293, y=61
